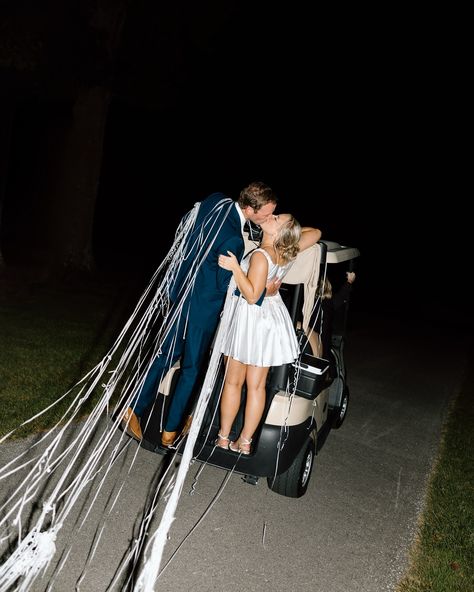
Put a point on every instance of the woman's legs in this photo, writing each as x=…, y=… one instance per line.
x=231, y=394
x=315, y=343
x=256, y=379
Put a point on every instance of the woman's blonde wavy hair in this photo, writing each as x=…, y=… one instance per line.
x=286, y=241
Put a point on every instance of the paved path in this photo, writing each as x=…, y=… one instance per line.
x=352, y=530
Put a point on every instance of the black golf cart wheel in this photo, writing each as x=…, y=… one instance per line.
x=341, y=412
x=294, y=481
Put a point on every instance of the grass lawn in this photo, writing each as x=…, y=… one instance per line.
x=442, y=559
x=52, y=334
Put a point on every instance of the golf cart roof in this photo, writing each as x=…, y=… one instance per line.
x=337, y=253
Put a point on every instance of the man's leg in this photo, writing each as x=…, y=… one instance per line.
x=196, y=348
x=146, y=397
x=153, y=378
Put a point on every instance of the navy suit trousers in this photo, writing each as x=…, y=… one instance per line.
x=159, y=368
x=196, y=350
x=192, y=350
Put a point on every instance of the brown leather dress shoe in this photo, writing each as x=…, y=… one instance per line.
x=187, y=425
x=131, y=425
x=167, y=438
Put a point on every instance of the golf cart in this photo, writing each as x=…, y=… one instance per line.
x=304, y=399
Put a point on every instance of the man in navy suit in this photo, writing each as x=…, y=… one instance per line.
x=217, y=230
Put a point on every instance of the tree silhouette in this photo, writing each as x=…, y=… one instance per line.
x=61, y=65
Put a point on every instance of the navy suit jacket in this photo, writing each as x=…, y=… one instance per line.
x=207, y=297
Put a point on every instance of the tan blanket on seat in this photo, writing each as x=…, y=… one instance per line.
x=305, y=270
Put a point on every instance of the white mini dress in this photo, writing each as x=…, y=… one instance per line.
x=258, y=335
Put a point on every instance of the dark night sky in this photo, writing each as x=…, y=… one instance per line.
x=342, y=115
x=270, y=100
x=336, y=118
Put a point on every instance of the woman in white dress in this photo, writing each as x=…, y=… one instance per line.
x=259, y=332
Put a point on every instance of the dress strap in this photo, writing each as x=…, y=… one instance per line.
x=265, y=253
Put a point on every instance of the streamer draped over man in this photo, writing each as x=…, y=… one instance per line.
x=191, y=336
x=154, y=328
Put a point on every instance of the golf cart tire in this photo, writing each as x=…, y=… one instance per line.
x=294, y=481
x=341, y=411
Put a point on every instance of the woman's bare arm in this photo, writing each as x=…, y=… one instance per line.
x=309, y=237
x=251, y=285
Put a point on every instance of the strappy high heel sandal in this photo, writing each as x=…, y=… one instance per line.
x=242, y=445
x=221, y=438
